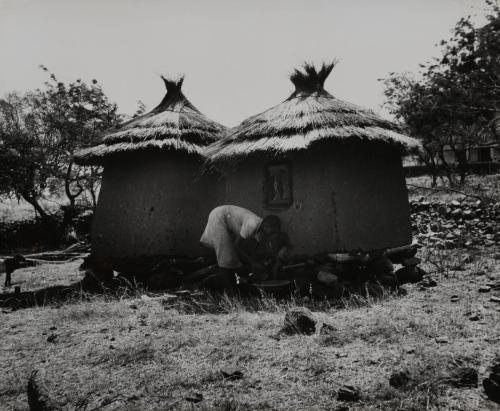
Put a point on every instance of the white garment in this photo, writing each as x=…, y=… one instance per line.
x=225, y=224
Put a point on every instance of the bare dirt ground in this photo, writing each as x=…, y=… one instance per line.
x=148, y=353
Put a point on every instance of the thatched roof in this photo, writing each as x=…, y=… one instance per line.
x=308, y=116
x=175, y=124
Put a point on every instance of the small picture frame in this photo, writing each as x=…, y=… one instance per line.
x=278, y=185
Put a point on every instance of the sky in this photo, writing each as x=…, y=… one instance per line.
x=236, y=55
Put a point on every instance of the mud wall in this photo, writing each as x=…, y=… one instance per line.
x=153, y=204
x=344, y=197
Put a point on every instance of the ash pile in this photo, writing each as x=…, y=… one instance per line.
x=455, y=224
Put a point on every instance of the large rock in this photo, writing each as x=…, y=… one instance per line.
x=491, y=384
x=327, y=278
x=299, y=321
x=39, y=397
x=410, y=274
x=398, y=255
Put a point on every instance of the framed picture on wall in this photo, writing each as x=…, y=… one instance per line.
x=278, y=185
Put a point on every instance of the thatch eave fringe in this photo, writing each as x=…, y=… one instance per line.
x=175, y=124
x=308, y=116
x=224, y=150
x=98, y=154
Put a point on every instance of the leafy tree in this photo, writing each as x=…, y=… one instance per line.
x=39, y=132
x=454, y=101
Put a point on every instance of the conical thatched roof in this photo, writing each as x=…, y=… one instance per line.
x=175, y=124
x=309, y=115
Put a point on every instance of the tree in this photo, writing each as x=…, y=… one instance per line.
x=454, y=100
x=39, y=132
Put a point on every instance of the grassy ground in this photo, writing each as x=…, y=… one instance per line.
x=14, y=210
x=149, y=352
x=145, y=353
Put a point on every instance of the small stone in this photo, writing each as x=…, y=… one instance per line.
x=463, y=377
x=299, y=321
x=401, y=291
x=328, y=329
x=454, y=298
x=495, y=299
x=399, y=379
x=442, y=339
x=409, y=350
x=475, y=317
x=428, y=282
x=194, y=397
x=484, y=289
x=348, y=393
x=231, y=373
x=52, y=338
x=413, y=261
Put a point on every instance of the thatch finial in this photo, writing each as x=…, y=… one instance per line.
x=173, y=85
x=310, y=79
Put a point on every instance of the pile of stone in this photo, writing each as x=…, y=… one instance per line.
x=338, y=275
x=329, y=276
x=455, y=224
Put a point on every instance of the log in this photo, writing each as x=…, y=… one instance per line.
x=201, y=273
x=292, y=266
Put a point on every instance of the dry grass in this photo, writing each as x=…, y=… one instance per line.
x=141, y=353
x=12, y=210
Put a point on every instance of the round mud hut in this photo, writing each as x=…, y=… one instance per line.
x=331, y=170
x=153, y=200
